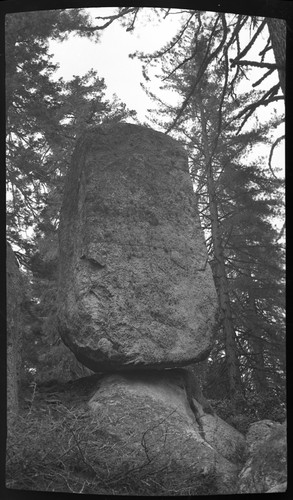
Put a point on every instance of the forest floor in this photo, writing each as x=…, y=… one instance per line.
x=49, y=448
x=54, y=392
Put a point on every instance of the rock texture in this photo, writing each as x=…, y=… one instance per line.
x=149, y=418
x=279, y=488
x=14, y=331
x=135, y=287
x=265, y=470
x=258, y=433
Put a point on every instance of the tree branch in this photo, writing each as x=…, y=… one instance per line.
x=255, y=84
x=255, y=64
x=131, y=27
x=172, y=43
x=249, y=45
x=111, y=19
x=264, y=101
x=263, y=52
x=281, y=232
x=206, y=61
x=271, y=153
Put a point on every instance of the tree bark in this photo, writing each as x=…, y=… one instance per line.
x=234, y=378
x=259, y=376
x=14, y=332
x=277, y=31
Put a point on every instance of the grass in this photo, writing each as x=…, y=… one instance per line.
x=64, y=448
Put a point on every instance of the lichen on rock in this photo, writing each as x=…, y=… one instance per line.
x=149, y=415
x=135, y=289
x=265, y=469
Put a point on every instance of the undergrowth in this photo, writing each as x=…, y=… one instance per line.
x=55, y=449
x=255, y=408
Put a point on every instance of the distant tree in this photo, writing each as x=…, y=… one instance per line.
x=276, y=42
x=226, y=36
x=15, y=300
x=237, y=200
x=45, y=116
x=32, y=111
x=204, y=63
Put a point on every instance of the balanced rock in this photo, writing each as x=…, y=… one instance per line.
x=147, y=426
x=135, y=287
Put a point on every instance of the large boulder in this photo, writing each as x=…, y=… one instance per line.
x=135, y=287
x=15, y=297
x=146, y=426
x=265, y=470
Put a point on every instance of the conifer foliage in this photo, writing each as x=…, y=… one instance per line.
x=239, y=198
x=45, y=116
x=239, y=194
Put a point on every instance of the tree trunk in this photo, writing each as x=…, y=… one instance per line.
x=259, y=376
x=259, y=370
x=234, y=378
x=277, y=31
x=14, y=332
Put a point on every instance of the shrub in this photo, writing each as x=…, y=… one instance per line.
x=254, y=407
x=54, y=448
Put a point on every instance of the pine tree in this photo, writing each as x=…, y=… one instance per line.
x=45, y=116
x=237, y=201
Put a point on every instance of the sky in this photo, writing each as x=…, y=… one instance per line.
x=123, y=75
x=109, y=57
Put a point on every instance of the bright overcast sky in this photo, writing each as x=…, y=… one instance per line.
x=109, y=57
